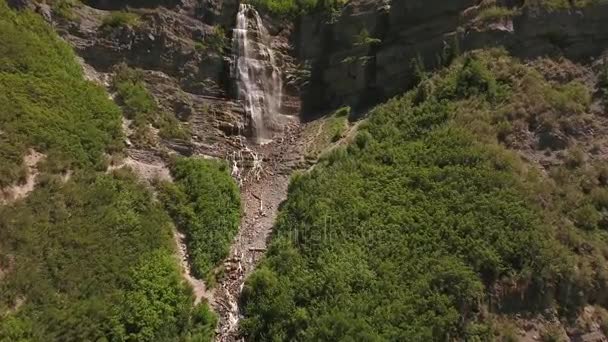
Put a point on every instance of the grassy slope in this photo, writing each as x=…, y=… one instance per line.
x=91, y=258
x=45, y=102
x=204, y=202
x=83, y=257
x=404, y=234
x=140, y=107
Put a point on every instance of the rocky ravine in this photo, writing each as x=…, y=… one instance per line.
x=262, y=192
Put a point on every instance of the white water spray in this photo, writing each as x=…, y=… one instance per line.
x=258, y=77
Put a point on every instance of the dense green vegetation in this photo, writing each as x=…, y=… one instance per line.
x=426, y=221
x=88, y=256
x=291, y=8
x=45, y=102
x=140, y=107
x=92, y=258
x=204, y=202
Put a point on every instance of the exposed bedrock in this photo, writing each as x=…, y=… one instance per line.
x=364, y=55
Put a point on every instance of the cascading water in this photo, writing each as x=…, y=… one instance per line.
x=258, y=77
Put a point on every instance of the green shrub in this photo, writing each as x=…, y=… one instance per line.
x=93, y=253
x=156, y=304
x=599, y=196
x=90, y=257
x=558, y=5
x=117, y=19
x=204, y=203
x=217, y=40
x=552, y=334
x=475, y=79
x=426, y=211
x=291, y=8
x=364, y=38
x=65, y=9
x=495, y=13
x=575, y=157
x=587, y=217
x=373, y=239
x=327, y=131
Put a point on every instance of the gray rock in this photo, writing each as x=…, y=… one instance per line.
x=422, y=29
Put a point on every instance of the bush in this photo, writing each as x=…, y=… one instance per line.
x=156, y=304
x=88, y=258
x=587, y=217
x=118, y=19
x=495, y=13
x=204, y=203
x=91, y=254
x=371, y=238
x=365, y=39
x=65, y=9
x=326, y=132
x=559, y=5
x=217, y=40
x=427, y=213
x=552, y=334
x=291, y=8
x=475, y=79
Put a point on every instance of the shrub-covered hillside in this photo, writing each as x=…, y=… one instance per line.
x=204, y=203
x=428, y=226
x=92, y=259
x=46, y=104
x=88, y=255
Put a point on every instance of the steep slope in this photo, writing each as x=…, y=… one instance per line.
x=362, y=53
x=442, y=218
x=477, y=195
x=87, y=254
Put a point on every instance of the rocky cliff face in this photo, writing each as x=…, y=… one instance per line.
x=185, y=52
x=365, y=54
x=357, y=56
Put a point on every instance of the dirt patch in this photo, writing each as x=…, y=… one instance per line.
x=146, y=164
x=90, y=74
x=18, y=191
x=198, y=286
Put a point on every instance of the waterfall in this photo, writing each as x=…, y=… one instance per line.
x=258, y=77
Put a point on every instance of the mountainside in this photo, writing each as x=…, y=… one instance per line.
x=366, y=49
x=399, y=170
x=434, y=226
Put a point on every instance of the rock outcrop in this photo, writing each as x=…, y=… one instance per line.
x=365, y=54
